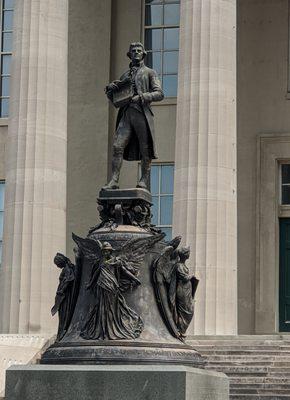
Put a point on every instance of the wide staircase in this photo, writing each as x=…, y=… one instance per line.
x=258, y=366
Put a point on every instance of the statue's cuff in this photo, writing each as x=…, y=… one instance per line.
x=146, y=97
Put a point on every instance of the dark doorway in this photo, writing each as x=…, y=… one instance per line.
x=284, y=286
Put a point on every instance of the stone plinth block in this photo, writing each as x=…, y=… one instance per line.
x=125, y=206
x=46, y=382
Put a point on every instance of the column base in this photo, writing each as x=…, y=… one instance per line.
x=123, y=382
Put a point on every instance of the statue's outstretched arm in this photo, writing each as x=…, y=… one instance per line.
x=129, y=274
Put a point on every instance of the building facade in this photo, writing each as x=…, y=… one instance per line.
x=223, y=138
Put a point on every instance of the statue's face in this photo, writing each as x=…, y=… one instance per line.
x=107, y=253
x=185, y=254
x=137, y=53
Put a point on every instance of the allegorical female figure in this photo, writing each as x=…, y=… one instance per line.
x=174, y=288
x=66, y=295
x=185, y=290
x=111, y=317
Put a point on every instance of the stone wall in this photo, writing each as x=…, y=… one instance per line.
x=263, y=108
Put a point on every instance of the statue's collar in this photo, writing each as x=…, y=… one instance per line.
x=141, y=64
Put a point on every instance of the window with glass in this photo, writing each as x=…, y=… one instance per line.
x=162, y=41
x=161, y=186
x=2, y=193
x=6, y=54
x=285, y=184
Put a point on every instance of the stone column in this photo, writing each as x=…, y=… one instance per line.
x=205, y=203
x=35, y=201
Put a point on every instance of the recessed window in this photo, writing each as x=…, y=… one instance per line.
x=162, y=41
x=6, y=54
x=161, y=186
x=2, y=193
x=285, y=180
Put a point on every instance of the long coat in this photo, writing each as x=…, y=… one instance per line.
x=149, y=88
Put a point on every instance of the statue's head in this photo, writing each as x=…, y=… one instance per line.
x=107, y=249
x=184, y=253
x=60, y=260
x=136, y=51
x=175, y=242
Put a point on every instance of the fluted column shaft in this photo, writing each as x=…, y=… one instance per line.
x=35, y=201
x=205, y=200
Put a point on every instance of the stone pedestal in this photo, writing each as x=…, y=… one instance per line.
x=126, y=227
x=122, y=382
x=125, y=207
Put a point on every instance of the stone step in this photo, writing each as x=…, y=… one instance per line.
x=241, y=345
x=244, y=343
x=273, y=373
x=281, y=364
x=259, y=379
x=242, y=369
x=259, y=396
x=251, y=363
x=258, y=368
x=247, y=357
x=245, y=338
x=262, y=386
x=259, y=390
x=249, y=349
x=264, y=396
x=248, y=372
x=280, y=370
x=243, y=350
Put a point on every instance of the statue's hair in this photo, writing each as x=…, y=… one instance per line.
x=107, y=246
x=60, y=257
x=135, y=44
x=175, y=242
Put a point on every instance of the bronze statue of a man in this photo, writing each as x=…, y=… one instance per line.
x=134, y=137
